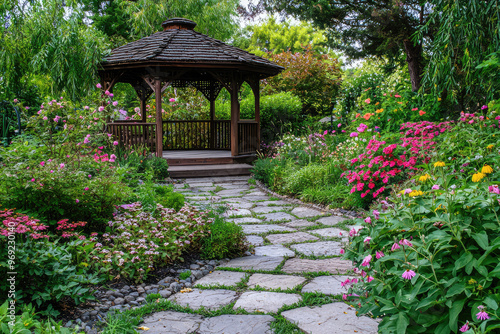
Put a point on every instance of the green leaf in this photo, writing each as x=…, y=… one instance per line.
x=455, y=310
x=402, y=323
x=463, y=260
x=481, y=239
x=455, y=290
x=491, y=303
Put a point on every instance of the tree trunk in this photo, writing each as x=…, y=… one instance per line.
x=413, y=58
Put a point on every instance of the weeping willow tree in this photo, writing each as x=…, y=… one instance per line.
x=50, y=47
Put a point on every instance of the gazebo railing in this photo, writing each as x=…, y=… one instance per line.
x=130, y=134
x=248, y=141
x=197, y=135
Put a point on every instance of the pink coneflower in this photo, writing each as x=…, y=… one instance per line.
x=395, y=246
x=408, y=274
x=465, y=327
x=482, y=315
x=379, y=254
x=366, y=261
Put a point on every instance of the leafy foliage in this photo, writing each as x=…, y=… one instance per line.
x=226, y=239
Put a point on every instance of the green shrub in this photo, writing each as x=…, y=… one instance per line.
x=159, y=166
x=226, y=239
x=168, y=198
x=309, y=176
x=185, y=274
x=57, y=189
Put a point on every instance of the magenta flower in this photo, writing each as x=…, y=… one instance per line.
x=465, y=327
x=98, y=86
x=494, y=189
x=376, y=214
x=367, y=240
x=51, y=171
x=86, y=108
x=342, y=251
x=368, y=220
x=339, y=125
x=362, y=127
x=90, y=176
x=115, y=103
x=395, y=246
x=435, y=187
x=405, y=242
x=42, y=163
x=379, y=254
x=32, y=180
x=366, y=261
x=408, y=274
x=369, y=279
x=16, y=100
x=353, y=134
x=115, y=143
x=86, y=188
x=101, y=108
x=482, y=315
x=77, y=200
x=61, y=165
x=407, y=191
x=171, y=99
x=484, y=107
x=107, y=92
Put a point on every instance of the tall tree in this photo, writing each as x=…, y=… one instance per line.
x=366, y=27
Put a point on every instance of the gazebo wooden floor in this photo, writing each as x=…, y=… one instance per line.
x=206, y=163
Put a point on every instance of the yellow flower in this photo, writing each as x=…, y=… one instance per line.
x=378, y=111
x=439, y=164
x=486, y=169
x=490, y=146
x=477, y=177
x=415, y=193
x=439, y=99
x=424, y=178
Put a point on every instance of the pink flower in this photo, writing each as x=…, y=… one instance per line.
x=90, y=176
x=397, y=95
x=171, y=99
x=32, y=180
x=376, y=214
x=115, y=143
x=101, y=108
x=369, y=279
x=366, y=261
x=109, y=134
x=368, y=220
x=395, y=246
x=77, y=200
x=344, y=296
x=435, y=187
x=86, y=108
x=51, y=171
x=353, y=134
x=45, y=118
x=367, y=240
x=362, y=127
x=115, y=103
x=367, y=100
x=98, y=86
x=405, y=242
x=107, y=92
x=339, y=125
x=408, y=274
x=16, y=100
x=494, y=189
x=342, y=251
x=465, y=327
x=379, y=254
x=42, y=163
x=482, y=315
x=407, y=191
x=86, y=188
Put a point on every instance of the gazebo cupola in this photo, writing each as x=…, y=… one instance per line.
x=178, y=56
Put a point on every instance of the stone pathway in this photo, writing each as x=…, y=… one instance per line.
x=296, y=251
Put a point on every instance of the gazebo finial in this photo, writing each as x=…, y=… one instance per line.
x=178, y=23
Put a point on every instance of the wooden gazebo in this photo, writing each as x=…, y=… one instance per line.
x=178, y=56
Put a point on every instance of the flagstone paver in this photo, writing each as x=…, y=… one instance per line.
x=303, y=212
x=335, y=318
x=263, y=215
x=256, y=229
x=320, y=248
x=264, y=301
x=290, y=237
x=267, y=281
x=171, y=322
x=237, y=324
x=278, y=216
x=331, y=220
x=209, y=299
x=333, y=266
x=255, y=262
x=273, y=250
x=227, y=278
x=255, y=240
x=329, y=285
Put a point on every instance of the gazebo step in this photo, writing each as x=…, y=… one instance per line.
x=199, y=161
x=209, y=170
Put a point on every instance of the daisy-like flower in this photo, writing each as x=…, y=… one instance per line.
x=408, y=274
x=489, y=147
x=486, y=169
x=482, y=315
x=477, y=177
x=439, y=164
x=416, y=193
x=424, y=178
x=465, y=327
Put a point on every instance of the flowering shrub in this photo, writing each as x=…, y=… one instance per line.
x=136, y=241
x=47, y=271
x=428, y=255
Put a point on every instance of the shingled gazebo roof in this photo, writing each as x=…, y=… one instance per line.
x=178, y=45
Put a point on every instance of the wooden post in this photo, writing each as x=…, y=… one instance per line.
x=256, y=94
x=212, y=123
x=143, y=110
x=159, y=120
x=235, y=116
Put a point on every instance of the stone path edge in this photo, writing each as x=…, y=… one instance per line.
x=335, y=212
